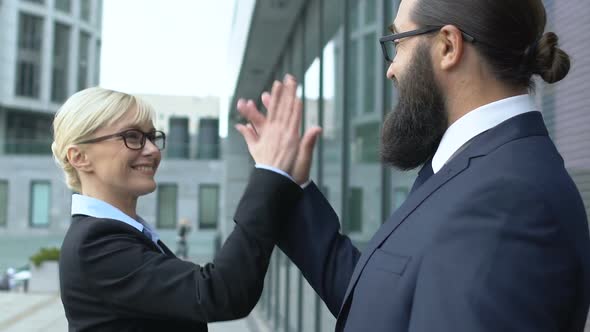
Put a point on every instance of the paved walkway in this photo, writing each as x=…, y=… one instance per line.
x=44, y=313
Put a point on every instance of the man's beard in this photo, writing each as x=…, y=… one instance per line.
x=412, y=132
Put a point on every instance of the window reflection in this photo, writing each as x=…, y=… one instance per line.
x=363, y=196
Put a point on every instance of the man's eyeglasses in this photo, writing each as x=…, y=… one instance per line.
x=134, y=139
x=389, y=43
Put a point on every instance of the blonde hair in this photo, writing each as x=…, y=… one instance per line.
x=85, y=112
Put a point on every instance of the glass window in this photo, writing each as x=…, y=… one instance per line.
x=371, y=65
x=364, y=193
x=313, y=111
x=85, y=10
x=167, y=197
x=333, y=115
x=208, y=206
x=40, y=203
x=353, y=83
x=83, y=60
x=311, y=108
x=28, y=70
x=3, y=203
x=178, y=138
x=208, y=139
x=63, y=5
x=312, y=80
x=333, y=122
x=28, y=79
x=355, y=22
x=30, y=32
x=61, y=50
x=366, y=142
x=371, y=11
x=27, y=133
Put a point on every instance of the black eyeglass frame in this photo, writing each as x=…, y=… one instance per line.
x=152, y=136
x=412, y=33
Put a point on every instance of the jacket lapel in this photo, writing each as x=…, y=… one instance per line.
x=413, y=201
x=167, y=250
x=527, y=124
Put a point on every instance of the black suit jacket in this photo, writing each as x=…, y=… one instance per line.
x=497, y=240
x=113, y=278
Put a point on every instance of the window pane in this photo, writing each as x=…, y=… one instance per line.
x=333, y=122
x=27, y=133
x=30, y=32
x=366, y=142
x=83, y=61
x=355, y=21
x=370, y=11
x=178, y=138
x=369, y=68
x=28, y=73
x=208, y=139
x=353, y=83
x=312, y=78
x=3, y=203
x=333, y=103
x=61, y=50
x=63, y=5
x=167, y=194
x=208, y=206
x=85, y=10
x=364, y=192
x=40, y=198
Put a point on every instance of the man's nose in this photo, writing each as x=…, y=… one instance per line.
x=390, y=71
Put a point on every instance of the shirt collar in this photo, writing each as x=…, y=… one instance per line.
x=97, y=208
x=476, y=122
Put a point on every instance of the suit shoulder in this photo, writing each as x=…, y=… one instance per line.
x=87, y=229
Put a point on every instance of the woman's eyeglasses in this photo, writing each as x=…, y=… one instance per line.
x=134, y=139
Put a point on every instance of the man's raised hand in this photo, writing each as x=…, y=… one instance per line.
x=274, y=139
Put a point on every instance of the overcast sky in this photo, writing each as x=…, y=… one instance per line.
x=168, y=47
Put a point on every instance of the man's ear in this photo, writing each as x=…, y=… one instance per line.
x=449, y=47
x=78, y=158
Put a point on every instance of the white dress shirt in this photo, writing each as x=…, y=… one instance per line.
x=97, y=208
x=476, y=122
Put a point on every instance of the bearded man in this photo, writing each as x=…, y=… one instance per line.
x=493, y=235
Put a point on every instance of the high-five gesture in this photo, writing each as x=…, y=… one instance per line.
x=274, y=140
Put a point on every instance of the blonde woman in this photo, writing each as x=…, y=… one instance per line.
x=115, y=273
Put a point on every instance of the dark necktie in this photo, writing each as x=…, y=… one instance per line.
x=425, y=173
